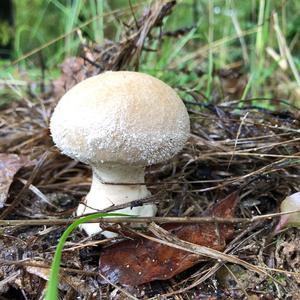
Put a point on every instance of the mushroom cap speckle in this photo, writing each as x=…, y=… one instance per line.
x=120, y=117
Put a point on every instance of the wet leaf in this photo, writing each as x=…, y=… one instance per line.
x=134, y=262
x=10, y=164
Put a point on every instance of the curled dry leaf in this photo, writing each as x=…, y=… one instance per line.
x=134, y=262
x=10, y=164
x=39, y=271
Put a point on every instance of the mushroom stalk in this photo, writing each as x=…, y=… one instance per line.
x=114, y=185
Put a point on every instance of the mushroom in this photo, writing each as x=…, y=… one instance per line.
x=289, y=204
x=118, y=123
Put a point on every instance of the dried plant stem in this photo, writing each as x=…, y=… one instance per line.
x=30, y=263
x=159, y=220
x=118, y=12
x=118, y=288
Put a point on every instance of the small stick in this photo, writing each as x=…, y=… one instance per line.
x=159, y=220
x=30, y=263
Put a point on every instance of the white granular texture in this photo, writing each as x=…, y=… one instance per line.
x=120, y=117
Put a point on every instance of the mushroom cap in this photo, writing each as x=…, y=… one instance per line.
x=120, y=117
x=291, y=203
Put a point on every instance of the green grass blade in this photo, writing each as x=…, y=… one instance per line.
x=52, y=290
x=210, y=51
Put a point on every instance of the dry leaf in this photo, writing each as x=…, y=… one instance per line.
x=39, y=271
x=65, y=280
x=10, y=164
x=134, y=262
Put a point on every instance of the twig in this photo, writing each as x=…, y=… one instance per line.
x=237, y=138
x=159, y=220
x=117, y=287
x=25, y=263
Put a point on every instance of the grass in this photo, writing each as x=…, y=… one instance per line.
x=218, y=27
x=52, y=290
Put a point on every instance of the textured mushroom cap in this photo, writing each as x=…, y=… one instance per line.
x=120, y=117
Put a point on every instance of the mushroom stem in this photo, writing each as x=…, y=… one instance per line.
x=106, y=191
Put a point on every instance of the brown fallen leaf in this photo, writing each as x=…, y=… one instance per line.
x=134, y=262
x=10, y=164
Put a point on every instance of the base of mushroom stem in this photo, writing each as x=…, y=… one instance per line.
x=147, y=210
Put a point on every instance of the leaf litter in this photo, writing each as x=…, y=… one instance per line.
x=141, y=260
x=257, y=155
x=10, y=164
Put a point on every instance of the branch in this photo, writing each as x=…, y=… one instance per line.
x=159, y=220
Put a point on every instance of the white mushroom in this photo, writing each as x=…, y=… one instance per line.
x=289, y=204
x=118, y=123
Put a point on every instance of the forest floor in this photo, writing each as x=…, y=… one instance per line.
x=236, y=147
